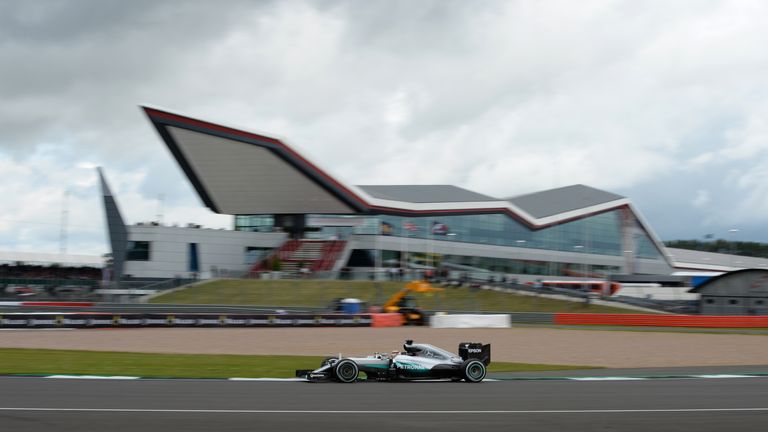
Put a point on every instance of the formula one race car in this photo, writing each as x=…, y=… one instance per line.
x=417, y=362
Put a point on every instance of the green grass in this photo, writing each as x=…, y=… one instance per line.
x=319, y=293
x=71, y=362
x=532, y=367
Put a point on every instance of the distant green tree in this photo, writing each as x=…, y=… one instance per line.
x=276, y=263
x=752, y=249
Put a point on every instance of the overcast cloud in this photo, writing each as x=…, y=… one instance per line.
x=664, y=102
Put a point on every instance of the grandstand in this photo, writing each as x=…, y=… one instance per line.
x=49, y=275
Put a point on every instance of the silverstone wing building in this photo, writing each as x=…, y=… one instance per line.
x=284, y=202
x=286, y=206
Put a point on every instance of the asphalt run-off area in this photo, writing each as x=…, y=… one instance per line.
x=41, y=404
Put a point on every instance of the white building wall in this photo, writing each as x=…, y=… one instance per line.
x=217, y=250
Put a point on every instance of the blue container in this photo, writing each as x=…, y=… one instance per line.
x=351, y=306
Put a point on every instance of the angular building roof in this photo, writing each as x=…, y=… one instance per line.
x=239, y=172
x=561, y=200
x=424, y=193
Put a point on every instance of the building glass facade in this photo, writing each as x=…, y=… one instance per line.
x=599, y=234
x=258, y=223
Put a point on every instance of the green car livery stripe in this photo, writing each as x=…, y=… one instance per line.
x=374, y=366
x=410, y=366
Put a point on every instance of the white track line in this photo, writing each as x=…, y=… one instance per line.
x=723, y=376
x=441, y=412
x=267, y=379
x=607, y=378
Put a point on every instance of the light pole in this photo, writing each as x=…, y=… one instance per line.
x=732, y=233
x=452, y=236
x=579, y=248
x=377, y=248
x=520, y=243
x=629, y=262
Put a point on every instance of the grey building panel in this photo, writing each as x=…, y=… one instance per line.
x=743, y=283
x=424, y=193
x=741, y=292
x=561, y=200
x=118, y=233
x=715, y=259
x=245, y=179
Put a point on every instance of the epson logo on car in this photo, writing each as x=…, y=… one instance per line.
x=475, y=350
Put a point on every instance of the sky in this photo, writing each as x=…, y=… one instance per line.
x=663, y=102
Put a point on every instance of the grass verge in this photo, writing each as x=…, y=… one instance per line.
x=320, y=293
x=70, y=362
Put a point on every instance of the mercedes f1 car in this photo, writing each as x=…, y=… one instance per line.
x=417, y=362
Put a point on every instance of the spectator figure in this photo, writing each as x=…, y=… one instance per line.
x=392, y=273
x=304, y=272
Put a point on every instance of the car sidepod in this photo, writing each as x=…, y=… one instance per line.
x=412, y=367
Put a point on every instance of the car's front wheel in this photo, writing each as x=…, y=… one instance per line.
x=346, y=371
x=473, y=370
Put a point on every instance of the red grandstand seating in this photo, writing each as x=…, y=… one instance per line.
x=315, y=255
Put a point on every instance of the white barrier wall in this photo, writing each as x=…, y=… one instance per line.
x=470, y=321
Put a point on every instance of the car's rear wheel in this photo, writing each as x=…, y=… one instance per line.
x=346, y=371
x=473, y=370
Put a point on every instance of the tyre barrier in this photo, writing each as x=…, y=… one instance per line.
x=712, y=321
x=166, y=320
x=386, y=320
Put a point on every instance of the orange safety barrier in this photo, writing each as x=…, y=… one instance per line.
x=661, y=320
x=386, y=320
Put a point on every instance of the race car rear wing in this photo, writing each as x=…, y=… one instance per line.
x=477, y=350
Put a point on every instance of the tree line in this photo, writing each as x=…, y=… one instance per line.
x=751, y=249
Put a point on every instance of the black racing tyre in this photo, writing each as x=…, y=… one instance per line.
x=473, y=370
x=346, y=371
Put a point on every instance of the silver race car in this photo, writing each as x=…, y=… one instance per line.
x=417, y=362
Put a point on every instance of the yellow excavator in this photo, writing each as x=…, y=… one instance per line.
x=405, y=304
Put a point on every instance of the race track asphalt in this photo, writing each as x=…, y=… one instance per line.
x=39, y=404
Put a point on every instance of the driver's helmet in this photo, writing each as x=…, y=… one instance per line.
x=410, y=348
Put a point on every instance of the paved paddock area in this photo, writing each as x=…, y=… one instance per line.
x=615, y=349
